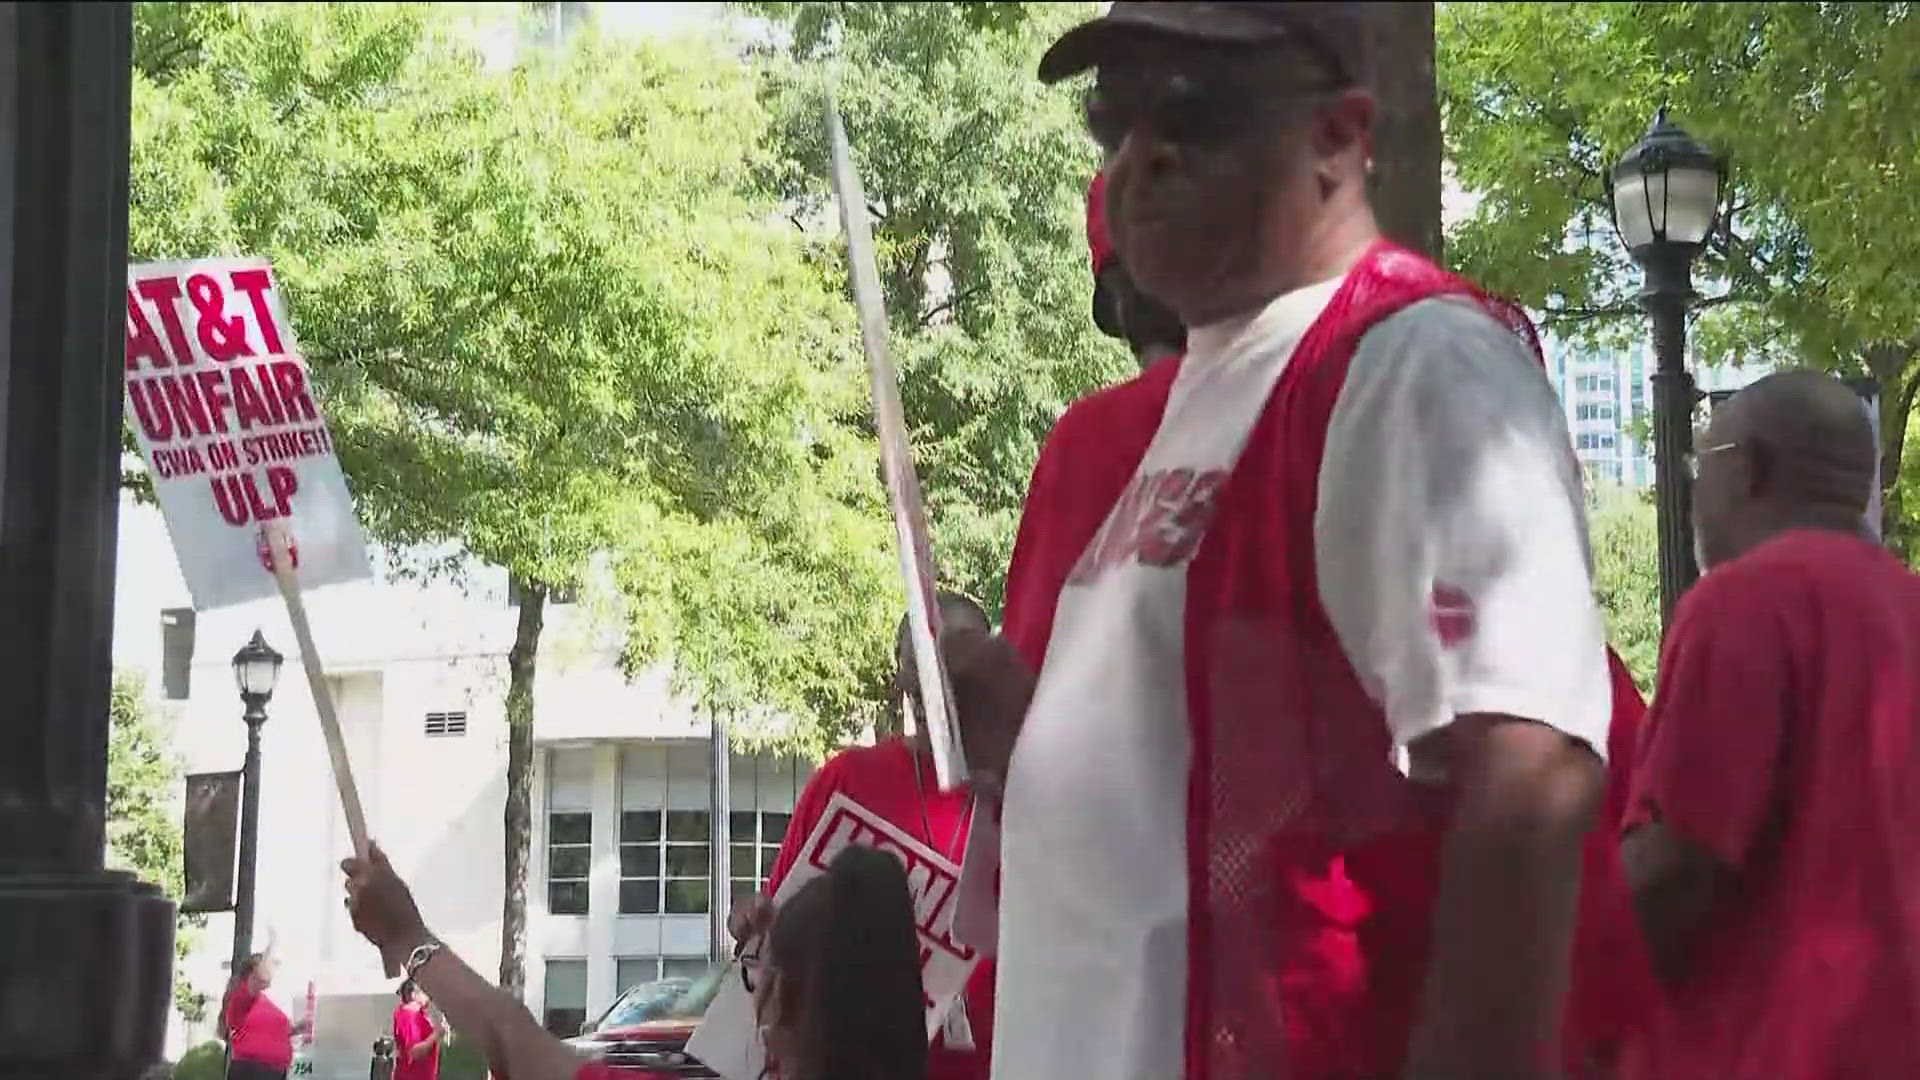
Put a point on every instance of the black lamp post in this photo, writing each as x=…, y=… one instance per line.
x=256, y=668
x=1666, y=199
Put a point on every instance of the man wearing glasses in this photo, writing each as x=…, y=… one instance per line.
x=1772, y=825
x=1320, y=719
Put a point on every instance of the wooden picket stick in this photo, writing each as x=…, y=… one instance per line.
x=288, y=579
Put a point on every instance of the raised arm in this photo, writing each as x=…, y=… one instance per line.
x=515, y=1046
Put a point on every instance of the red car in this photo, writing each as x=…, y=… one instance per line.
x=645, y=1030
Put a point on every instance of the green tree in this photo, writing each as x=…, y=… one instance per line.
x=976, y=175
x=1626, y=577
x=553, y=316
x=1814, y=103
x=143, y=820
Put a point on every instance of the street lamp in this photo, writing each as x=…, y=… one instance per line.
x=256, y=668
x=1666, y=200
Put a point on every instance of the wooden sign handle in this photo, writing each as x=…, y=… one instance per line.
x=287, y=577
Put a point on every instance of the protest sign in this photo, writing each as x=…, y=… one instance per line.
x=222, y=407
x=728, y=1039
x=242, y=462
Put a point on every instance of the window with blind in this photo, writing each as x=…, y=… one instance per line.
x=564, y=1005
x=569, y=829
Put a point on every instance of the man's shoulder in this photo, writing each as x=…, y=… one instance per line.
x=1454, y=334
x=1449, y=367
x=1819, y=562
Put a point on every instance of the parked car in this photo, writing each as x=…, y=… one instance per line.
x=646, y=1029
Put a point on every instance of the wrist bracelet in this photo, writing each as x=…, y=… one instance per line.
x=421, y=953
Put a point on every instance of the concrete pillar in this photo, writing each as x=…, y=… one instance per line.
x=603, y=883
x=86, y=955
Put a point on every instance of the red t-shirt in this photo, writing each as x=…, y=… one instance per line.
x=1785, y=738
x=881, y=778
x=257, y=1030
x=410, y=1027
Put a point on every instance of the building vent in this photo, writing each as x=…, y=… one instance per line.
x=446, y=723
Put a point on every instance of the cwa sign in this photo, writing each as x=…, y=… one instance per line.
x=224, y=413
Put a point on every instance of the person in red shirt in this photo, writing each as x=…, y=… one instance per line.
x=259, y=1035
x=1774, y=843
x=894, y=779
x=416, y=1035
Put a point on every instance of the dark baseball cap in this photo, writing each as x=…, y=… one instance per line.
x=1337, y=32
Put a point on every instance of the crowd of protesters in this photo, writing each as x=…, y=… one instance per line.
x=1308, y=753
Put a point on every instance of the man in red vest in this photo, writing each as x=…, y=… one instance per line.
x=1322, y=706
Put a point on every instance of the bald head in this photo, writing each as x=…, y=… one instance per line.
x=1793, y=450
x=956, y=610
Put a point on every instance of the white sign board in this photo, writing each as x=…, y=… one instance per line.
x=728, y=1039
x=223, y=409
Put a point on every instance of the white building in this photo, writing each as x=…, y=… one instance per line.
x=1608, y=395
x=636, y=848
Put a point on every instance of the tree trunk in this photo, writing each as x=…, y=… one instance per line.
x=1890, y=364
x=521, y=662
x=1406, y=140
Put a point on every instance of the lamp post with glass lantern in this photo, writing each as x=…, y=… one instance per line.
x=1666, y=201
x=256, y=668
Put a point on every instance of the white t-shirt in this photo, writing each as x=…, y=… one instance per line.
x=1450, y=506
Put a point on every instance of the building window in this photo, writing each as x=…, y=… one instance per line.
x=444, y=724
x=569, y=843
x=569, y=858
x=664, y=862
x=755, y=838
x=565, y=1001
x=666, y=830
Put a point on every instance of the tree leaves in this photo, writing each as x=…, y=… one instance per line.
x=977, y=175
x=143, y=829
x=1817, y=107
x=1626, y=578
x=555, y=315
